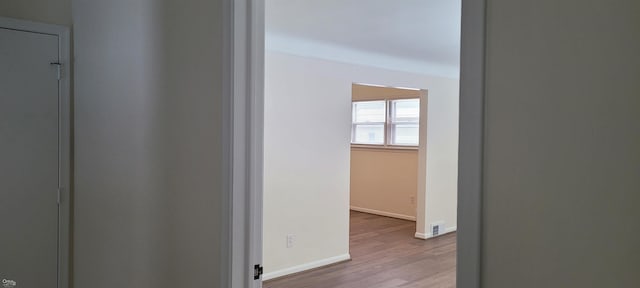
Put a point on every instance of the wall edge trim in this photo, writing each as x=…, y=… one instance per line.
x=382, y=213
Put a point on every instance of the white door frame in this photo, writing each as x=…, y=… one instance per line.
x=64, y=140
x=243, y=141
x=244, y=98
x=471, y=144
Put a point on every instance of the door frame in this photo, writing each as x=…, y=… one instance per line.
x=242, y=119
x=64, y=132
x=243, y=134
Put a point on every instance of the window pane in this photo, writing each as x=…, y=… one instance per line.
x=405, y=110
x=405, y=134
x=369, y=134
x=369, y=111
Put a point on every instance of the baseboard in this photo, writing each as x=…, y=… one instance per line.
x=428, y=236
x=421, y=236
x=305, y=267
x=383, y=213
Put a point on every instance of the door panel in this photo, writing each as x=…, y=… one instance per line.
x=29, y=152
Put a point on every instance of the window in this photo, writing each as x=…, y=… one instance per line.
x=404, y=121
x=368, y=124
x=386, y=122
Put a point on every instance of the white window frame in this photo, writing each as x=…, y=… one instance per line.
x=387, y=126
x=384, y=123
x=390, y=124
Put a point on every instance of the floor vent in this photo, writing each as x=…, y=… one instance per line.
x=436, y=229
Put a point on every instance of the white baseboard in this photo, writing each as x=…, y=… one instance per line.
x=427, y=236
x=305, y=267
x=383, y=213
x=421, y=236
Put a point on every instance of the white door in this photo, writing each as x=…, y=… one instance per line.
x=29, y=155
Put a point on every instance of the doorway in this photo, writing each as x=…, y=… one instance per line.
x=307, y=129
x=34, y=148
x=385, y=151
x=248, y=78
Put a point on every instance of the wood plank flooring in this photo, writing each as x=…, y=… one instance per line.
x=384, y=255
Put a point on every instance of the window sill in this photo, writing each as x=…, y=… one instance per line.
x=385, y=147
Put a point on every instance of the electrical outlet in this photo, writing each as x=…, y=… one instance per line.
x=412, y=200
x=290, y=240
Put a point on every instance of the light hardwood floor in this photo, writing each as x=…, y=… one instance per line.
x=384, y=254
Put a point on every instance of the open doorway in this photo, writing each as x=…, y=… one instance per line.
x=384, y=151
x=307, y=127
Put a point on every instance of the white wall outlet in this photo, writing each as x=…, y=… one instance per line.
x=412, y=200
x=290, y=240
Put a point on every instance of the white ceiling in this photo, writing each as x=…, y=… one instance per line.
x=412, y=35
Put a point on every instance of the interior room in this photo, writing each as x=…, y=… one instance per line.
x=319, y=186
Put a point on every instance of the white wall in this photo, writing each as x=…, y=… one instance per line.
x=562, y=154
x=147, y=143
x=307, y=120
x=307, y=170
x=46, y=11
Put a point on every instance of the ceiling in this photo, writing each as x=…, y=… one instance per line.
x=413, y=35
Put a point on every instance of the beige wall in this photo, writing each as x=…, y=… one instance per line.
x=384, y=181
x=562, y=144
x=47, y=11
